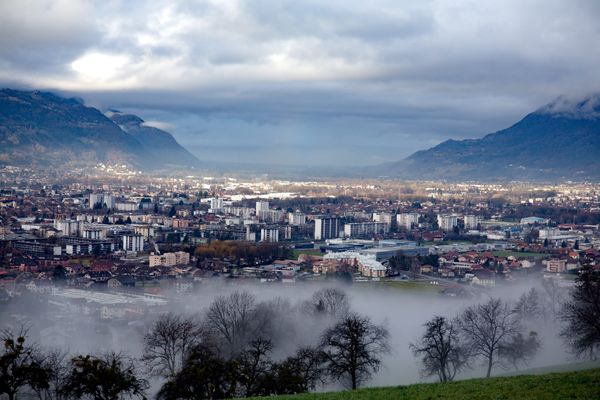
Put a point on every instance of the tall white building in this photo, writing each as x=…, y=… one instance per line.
x=102, y=199
x=327, y=228
x=471, y=221
x=133, y=242
x=68, y=227
x=407, y=220
x=447, y=222
x=296, y=218
x=269, y=235
x=270, y=215
x=365, y=229
x=216, y=205
x=382, y=217
x=261, y=206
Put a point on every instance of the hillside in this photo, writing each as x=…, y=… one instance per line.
x=556, y=386
x=43, y=129
x=558, y=141
x=156, y=142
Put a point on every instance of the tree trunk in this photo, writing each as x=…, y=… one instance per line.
x=353, y=376
x=489, y=370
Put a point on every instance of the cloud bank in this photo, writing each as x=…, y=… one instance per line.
x=307, y=82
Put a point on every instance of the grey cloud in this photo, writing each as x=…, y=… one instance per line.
x=318, y=81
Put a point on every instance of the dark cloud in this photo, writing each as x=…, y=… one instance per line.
x=321, y=82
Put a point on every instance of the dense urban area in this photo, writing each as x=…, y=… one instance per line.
x=124, y=233
x=131, y=253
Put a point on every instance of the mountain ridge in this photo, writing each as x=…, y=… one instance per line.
x=560, y=140
x=39, y=128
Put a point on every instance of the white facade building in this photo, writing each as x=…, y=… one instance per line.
x=269, y=235
x=407, y=220
x=68, y=227
x=472, y=221
x=327, y=228
x=447, y=222
x=382, y=217
x=261, y=206
x=296, y=218
x=362, y=229
x=133, y=243
x=216, y=205
x=103, y=199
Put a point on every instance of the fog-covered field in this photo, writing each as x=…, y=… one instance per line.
x=78, y=327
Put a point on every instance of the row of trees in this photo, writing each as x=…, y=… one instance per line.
x=236, y=251
x=26, y=369
x=235, y=349
x=238, y=348
x=490, y=332
x=494, y=333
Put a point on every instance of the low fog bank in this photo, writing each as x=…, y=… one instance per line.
x=77, y=328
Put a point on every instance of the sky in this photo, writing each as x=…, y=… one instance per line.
x=307, y=82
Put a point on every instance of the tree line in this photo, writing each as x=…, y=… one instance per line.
x=242, y=251
x=494, y=334
x=236, y=348
x=240, y=347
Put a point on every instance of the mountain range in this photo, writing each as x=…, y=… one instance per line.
x=559, y=141
x=44, y=129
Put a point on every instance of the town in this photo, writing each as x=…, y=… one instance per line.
x=114, y=237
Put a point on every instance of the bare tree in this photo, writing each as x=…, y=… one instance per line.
x=528, y=306
x=553, y=298
x=329, y=302
x=253, y=365
x=581, y=315
x=440, y=350
x=232, y=319
x=519, y=349
x=19, y=366
x=56, y=362
x=168, y=342
x=353, y=349
x=308, y=363
x=107, y=377
x=486, y=328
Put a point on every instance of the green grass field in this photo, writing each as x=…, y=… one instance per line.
x=555, y=386
x=519, y=254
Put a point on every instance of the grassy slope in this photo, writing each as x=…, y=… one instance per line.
x=556, y=386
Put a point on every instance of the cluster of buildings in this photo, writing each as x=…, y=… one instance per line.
x=146, y=229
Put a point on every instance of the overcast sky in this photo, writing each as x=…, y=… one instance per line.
x=323, y=82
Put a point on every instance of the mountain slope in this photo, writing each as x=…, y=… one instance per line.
x=558, y=141
x=43, y=129
x=156, y=142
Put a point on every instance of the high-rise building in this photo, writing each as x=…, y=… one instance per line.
x=471, y=221
x=296, y=218
x=133, y=242
x=365, y=229
x=261, y=206
x=68, y=227
x=447, y=222
x=101, y=200
x=216, y=205
x=327, y=228
x=382, y=217
x=269, y=235
x=407, y=220
x=270, y=215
